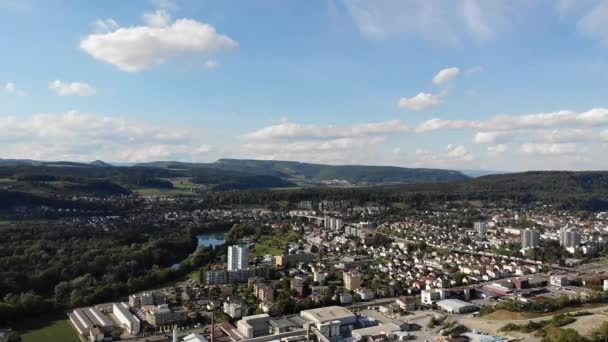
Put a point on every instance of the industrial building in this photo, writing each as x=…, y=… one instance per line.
x=329, y=318
x=163, y=315
x=126, y=319
x=254, y=326
x=456, y=306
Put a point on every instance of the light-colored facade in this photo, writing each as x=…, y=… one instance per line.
x=238, y=257
x=569, y=237
x=481, y=228
x=352, y=280
x=455, y=306
x=432, y=296
x=530, y=238
x=126, y=319
x=254, y=326
x=163, y=315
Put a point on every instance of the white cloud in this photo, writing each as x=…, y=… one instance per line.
x=567, y=135
x=288, y=130
x=158, y=18
x=490, y=137
x=138, y=48
x=12, y=89
x=436, y=124
x=592, y=18
x=550, y=149
x=332, y=151
x=497, y=149
x=452, y=156
x=212, y=64
x=476, y=20
x=72, y=88
x=332, y=144
x=86, y=136
x=419, y=102
x=446, y=75
x=592, y=118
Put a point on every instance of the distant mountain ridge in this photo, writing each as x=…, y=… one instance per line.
x=308, y=173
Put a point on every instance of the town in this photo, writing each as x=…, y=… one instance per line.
x=334, y=271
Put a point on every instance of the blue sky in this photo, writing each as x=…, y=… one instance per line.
x=509, y=85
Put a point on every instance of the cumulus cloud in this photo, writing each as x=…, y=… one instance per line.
x=86, y=136
x=436, y=124
x=453, y=155
x=158, y=18
x=419, y=102
x=490, y=137
x=591, y=118
x=72, y=88
x=497, y=149
x=138, y=48
x=446, y=75
x=12, y=89
x=288, y=130
x=333, y=144
x=550, y=149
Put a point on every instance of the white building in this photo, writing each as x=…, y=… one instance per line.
x=481, y=228
x=558, y=280
x=530, y=238
x=331, y=321
x=569, y=237
x=235, y=309
x=365, y=294
x=238, y=258
x=126, y=319
x=254, y=326
x=455, y=306
x=431, y=296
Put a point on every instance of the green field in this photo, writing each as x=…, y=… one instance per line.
x=275, y=244
x=46, y=330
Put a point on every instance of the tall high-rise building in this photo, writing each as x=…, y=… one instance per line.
x=530, y=238
x=569, y=237
x=238, y=257
x=327, y=222
x=481, y=228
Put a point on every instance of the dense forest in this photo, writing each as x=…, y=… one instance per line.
x=49, y=266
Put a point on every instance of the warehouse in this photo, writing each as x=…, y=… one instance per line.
x=456, y=306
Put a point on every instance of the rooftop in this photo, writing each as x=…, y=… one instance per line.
x=327, y=314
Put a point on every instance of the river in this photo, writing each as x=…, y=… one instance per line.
x=206, y=240
x=213, y=239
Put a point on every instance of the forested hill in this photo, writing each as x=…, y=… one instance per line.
x=305, y=173
x=569, y=190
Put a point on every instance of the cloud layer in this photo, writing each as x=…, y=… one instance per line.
x=72, y=88
x=86, y=136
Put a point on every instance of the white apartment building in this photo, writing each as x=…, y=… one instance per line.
x=238, y=257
